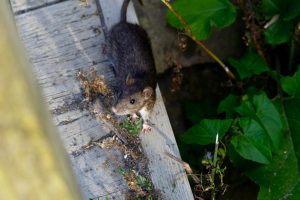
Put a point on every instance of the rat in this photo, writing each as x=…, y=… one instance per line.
x=130, y=53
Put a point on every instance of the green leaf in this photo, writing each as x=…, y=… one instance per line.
x=291, y=85
x=228, y=105
x=238, y=161
x=280, y=179
x=264, y=112
x=254, y=144
x=269, y=8
x=286, y=9
x=203, y=15
x=292, y=110
x=246, y=109
x=269, y=117
x=279, y=32
x=205, y=132
x=248, y=65
x=195, y=111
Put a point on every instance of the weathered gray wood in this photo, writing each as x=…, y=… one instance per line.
x=61, y=39
x=23, y=5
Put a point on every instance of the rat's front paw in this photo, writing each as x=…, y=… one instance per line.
x=146, y=128
x=134, y=118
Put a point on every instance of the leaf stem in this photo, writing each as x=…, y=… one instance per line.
x=213, y=172
x=198, y=42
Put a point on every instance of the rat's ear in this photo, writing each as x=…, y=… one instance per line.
x=129, y=80
x=147, y=92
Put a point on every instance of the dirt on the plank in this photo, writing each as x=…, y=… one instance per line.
x=134, y=168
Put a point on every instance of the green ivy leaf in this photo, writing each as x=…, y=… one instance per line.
x=228, y=105
x=286, y=9
x=248, y=65
x=279, y=32
x=264, y=112
x=280, y=179
x=269, y=8
x=292, y=110
x=254, y=143
x=246, y=109
x=205, y=132
x=203, y=15
x=291, y=85
x=238, y=161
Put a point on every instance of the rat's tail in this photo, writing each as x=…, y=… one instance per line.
x=124, y=10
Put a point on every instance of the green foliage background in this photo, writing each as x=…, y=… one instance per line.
x=259, y=126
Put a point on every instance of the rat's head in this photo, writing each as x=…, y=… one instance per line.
x=132, y=98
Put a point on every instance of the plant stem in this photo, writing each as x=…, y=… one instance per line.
x=198, y=42
x=213, y=172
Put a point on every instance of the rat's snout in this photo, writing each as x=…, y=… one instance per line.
x=114, y=109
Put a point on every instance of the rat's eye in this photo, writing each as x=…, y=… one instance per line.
x=132, y=101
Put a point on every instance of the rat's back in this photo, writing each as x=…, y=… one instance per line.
x=130, y=50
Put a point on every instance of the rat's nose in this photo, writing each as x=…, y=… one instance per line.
x=114, y=109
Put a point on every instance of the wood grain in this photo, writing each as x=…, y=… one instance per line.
x=20, y=6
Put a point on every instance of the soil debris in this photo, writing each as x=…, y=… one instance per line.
x=93, y=84
x=177, y=75
x=123, y=136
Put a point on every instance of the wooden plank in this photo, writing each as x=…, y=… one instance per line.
x=167, y=175
x=63, y=38
x=60, y=40
x=24, y=5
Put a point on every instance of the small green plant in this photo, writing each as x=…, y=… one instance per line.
x=259, y=121
x=141, y=186
x=132, y=127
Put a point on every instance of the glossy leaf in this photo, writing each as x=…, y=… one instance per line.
x=264, y=112
x=253, y=144
x=286, y=9
x=248, y=65
x=280, y=179
x=291, y=85
x=203, y=15
x=292, y=110
x=279, y=32
x=238, y=161
x=228, y=105
x=205, y=131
